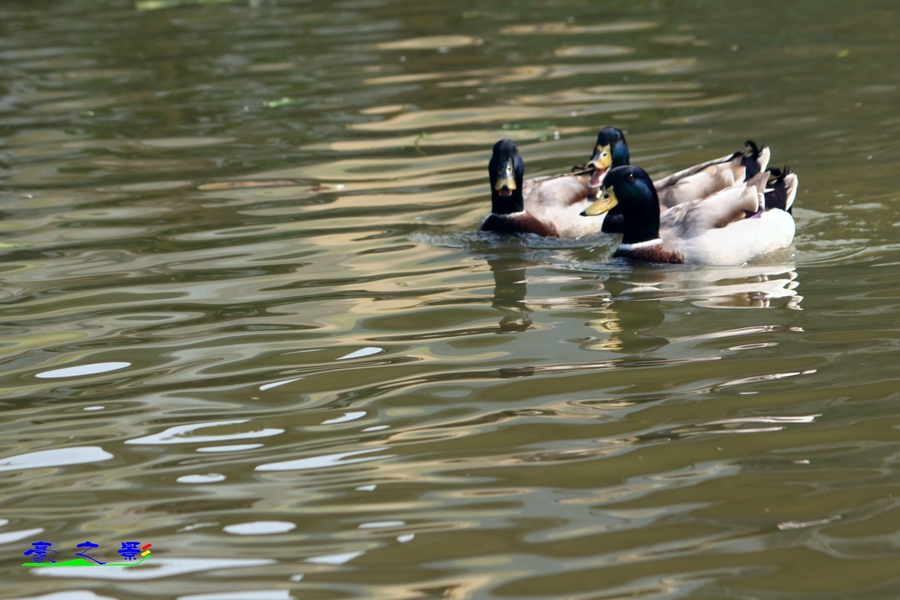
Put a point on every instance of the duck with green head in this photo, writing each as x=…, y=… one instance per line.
x=727, y=227
x=546, y=206
x=611, y=150
x=550, y=206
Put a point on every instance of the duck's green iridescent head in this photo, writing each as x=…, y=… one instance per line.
x=611, y=149
x=628, y=186
x=631, y=189
x=506, y=171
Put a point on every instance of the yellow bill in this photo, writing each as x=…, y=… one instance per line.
x=602, y=158
x=506, y=179
x=605, y=203
x=507, y=182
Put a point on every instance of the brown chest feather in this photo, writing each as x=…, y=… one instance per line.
x=655, y=254
x=519, y=223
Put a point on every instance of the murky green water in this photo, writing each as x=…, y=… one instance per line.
x=245, y=318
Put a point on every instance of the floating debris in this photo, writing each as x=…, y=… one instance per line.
x=287, y=102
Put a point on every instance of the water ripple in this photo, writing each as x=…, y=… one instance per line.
x=248, y=317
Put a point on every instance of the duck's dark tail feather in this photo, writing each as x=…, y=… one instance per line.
x=750, y=160
x=777, y=193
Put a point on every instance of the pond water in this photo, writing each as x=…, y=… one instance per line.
x=246, y=318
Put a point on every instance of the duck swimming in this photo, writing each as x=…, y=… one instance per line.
x=550, y=206
x=547, y=206
x=611, y=150
x=727, y=227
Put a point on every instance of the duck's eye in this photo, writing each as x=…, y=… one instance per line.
x=629, y=177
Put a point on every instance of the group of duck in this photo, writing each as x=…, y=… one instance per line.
x=721, y=212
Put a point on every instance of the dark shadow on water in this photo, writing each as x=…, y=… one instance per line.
x=510, y=290
x=628, y=324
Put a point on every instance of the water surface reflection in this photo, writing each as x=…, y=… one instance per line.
x=247, y=317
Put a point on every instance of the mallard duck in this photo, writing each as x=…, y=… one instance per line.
x=611, y=150
x=694, y=182
x=547, y=206
x=728, y=227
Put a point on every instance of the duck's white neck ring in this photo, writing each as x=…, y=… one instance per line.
x=639, y=245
